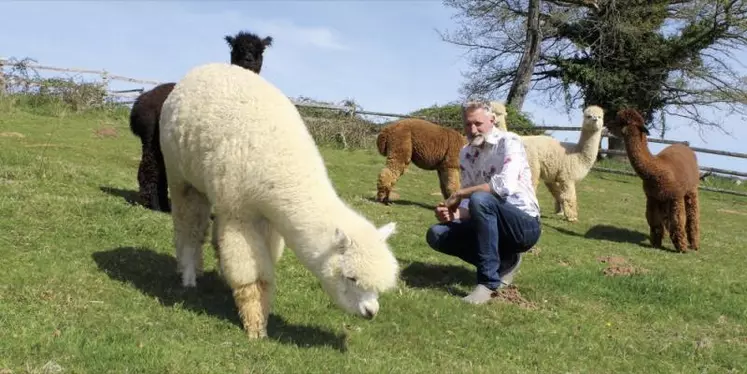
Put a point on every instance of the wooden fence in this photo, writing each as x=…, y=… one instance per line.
x=131, y=94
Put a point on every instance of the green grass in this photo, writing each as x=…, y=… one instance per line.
x=87, y=280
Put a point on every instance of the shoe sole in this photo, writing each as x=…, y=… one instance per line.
x=508, y=276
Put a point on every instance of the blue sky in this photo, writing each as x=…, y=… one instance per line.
x=385, y=55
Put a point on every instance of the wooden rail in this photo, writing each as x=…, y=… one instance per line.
x=133, y=93
x=633, y=174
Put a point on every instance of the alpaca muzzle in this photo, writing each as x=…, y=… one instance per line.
x=368, y=308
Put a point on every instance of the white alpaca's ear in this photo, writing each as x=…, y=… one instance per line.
x=387, y=230
x=341, y=239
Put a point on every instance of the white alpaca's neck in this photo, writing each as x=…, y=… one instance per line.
x=308, y=221
x=586, y=151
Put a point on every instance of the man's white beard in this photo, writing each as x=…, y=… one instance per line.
x=479, y=139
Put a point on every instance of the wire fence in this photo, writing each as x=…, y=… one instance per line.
x=348, y=109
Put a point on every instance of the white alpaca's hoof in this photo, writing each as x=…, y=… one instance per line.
x=189, y=278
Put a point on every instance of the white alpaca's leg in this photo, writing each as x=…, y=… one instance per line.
x=568, y=200
x=190, y=212
x=275, y=243
x=554, y=189
x=247, y=267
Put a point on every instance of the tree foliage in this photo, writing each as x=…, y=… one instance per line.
x=450, y=115
x=675, y=57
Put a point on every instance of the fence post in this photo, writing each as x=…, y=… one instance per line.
x=105, y=86
x=2, y=78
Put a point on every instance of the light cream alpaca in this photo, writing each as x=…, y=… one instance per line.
x=234, y=142
x=499, y=113
x=561, y=165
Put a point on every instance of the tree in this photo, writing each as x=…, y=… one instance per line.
x=670, y=57
x=523, y=77
x=450, y=115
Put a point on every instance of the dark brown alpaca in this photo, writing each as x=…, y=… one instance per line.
x=670, y=182
x=425, y=144
x=247, y=51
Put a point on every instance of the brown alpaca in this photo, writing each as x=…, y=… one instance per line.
x=425, y=144
x=670, y=181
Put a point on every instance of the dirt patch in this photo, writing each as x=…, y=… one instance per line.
x=618, y=266
x=106, y=132
x=612, y=260
x=703, y=344
x=11, y=135
x=620, y=270
x=729, y=211
x=535, y=251
x=512, y=295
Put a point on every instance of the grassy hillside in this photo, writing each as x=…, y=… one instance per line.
x=87, y=281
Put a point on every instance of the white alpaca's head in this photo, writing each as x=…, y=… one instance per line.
x=499, y=114
x=359, y=267
x=593, y=118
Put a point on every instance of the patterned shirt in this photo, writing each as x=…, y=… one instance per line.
x=502, y=163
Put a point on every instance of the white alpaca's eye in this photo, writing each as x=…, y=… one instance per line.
x=352, y=279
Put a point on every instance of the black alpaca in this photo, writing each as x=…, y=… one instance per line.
x=246, y=51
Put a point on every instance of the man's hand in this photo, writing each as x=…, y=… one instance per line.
x=443, y=214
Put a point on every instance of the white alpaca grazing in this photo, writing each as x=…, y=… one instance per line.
x=561, y=165
x=235, y=143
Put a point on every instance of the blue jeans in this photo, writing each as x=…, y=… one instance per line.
x=491, y=239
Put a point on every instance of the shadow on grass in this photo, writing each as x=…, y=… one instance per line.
x=405, y=203
x=155, y=275
x=614, y=234
x=130, y=196
x=437, y=276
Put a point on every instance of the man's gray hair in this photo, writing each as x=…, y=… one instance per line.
x=477, y=104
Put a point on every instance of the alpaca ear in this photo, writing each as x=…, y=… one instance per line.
x=229, y=40
x=387, y=230
x=341, y=239
x=267, y=41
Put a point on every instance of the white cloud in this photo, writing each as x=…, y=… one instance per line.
x=287, y=32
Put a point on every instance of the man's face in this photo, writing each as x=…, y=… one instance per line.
x=477, y=123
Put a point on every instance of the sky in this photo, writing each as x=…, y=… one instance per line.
x=385, y=55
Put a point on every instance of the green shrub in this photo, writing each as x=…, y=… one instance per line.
x=450, y=115
x=338, y=128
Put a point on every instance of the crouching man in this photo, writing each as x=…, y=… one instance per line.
x=494, y=218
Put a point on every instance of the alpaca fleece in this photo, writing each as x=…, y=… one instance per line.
x=560, y=165
x=151, y=175
x=247, y=51
x=670, y=182
x=425, y=144
x=499, y=114
x=234, y=143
